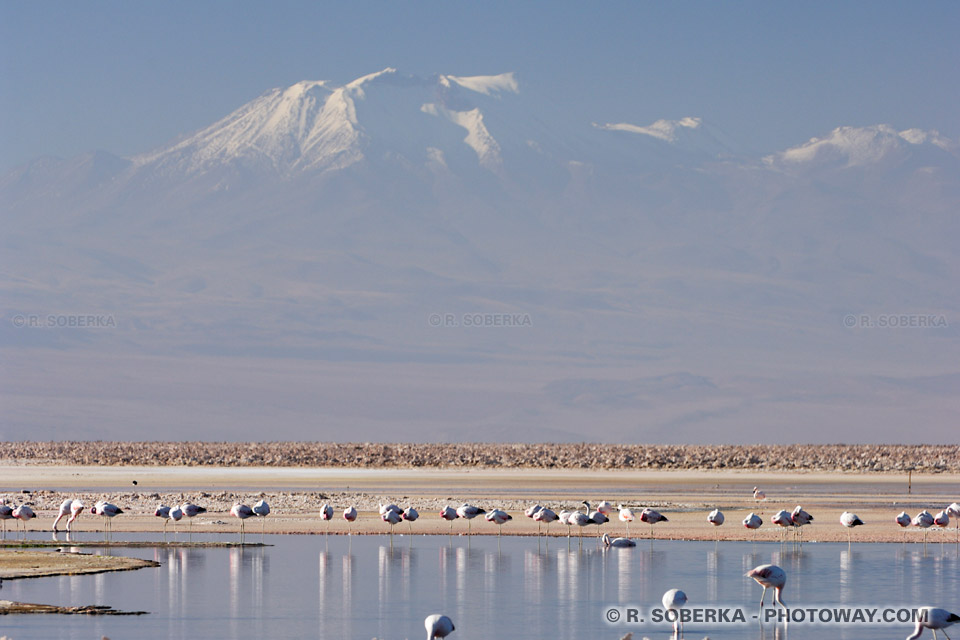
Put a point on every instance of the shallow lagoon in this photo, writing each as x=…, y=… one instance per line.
x=520, y=587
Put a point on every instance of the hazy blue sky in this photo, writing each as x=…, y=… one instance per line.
x=127, y=77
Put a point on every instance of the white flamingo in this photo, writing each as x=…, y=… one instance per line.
x=6, y=513
x=753, y=521
x=545, y=516
x=449, y=514
x=605, y=508
x=942, y=520
x=904, y=521
x=242, y=512
x=715, y=518
x=564, y=518
x=176, y=514
x=933, y=618
x=596, y=516
x=769, y=575
x=326, y=514
x=782, y=519
x=498, y=517
x=191, y=511
x=23, y=514
x=923, y=520
x=262, y=510
x=389, y=507
x=69, y=507
x=954, y=511
x=438, y=626
x=850, y=520
x=617, y=542
x=674, y=600
x=652, y=517
x=108, y=511
x=532, y=514
x=350, y=515
x=392, y=518
x=759, y=495
x=581, y=520
x=626, y=517
x=469, y=512
x=410, y=515
x=163, y=511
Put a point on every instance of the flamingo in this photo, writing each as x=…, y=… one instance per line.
x=954, y=512
x=850, y=520
x=243, y=512
x=106, y=510
x=769, y=575
x=438, y=626
x=652, y=517
x=782, y=519
x=70, y=507
x=410, y=515
x=262, y=510
x=597, y=517
x=674, y=600
x=626, y=517
x=191, y=510
x=923, y=520
x=469, y=512
x=163, y=511
x=532, y=513
x=942, y=520
x=715, y=518
x=581, y=520
x=175, y=513
x=759, y=495
x=392, y=518
x=326, y=514
x=499, y=518
x=564, y=518
x=449, y=514
x=545, y=516
x=931, y=618
x=350, y=514
x=904, y=521
x=6, y=513
x=617, y=542
x=23, y=513
x=605, y=508
x=753, y=521
x=800, y=519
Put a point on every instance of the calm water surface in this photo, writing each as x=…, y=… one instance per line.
x=362, y=587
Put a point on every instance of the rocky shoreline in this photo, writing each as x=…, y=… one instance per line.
x=812, y=458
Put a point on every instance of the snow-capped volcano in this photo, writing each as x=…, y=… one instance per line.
x=316, y=126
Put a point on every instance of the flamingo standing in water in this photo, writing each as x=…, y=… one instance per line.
x=106, y=510
x=410, y=515
x=932, y=618
x=389, y=507
x=69, y=507
x=904, y=521
x=850, y=520
x=652, y=517
x=531, y=512
x=769, y=575
x=469, y=512
x=191, y=511
x=6, y=513
x=954, y=512
x=715, y=518
x=392, y=518
x=596, y=516
x=350, y=515
x=942, y=520
x=163, y=511
x=438, y=626
x=800, y=519
x=262, y=510
x=449, y=514
x=499, y=518
x=753, y=521
x=564, y=518
x=175, y=513
x=674, y=600
x=581, y=520
x=545, y=516
x=626, y=517
x=242, y=512
x=23, y=514
x=605, y=508
x=782, y=519
x=923, y=520
x=326, y=514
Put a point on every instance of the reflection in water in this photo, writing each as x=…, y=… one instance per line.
x=713, y=574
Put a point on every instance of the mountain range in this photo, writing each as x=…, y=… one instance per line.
x=278, y=275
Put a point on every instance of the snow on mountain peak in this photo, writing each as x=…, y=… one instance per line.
x=487, y=85
x=858, y=146
x=665, y=130
x=478, y=138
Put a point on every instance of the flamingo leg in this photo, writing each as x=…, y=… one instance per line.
x=762, y=596
x=776, y=595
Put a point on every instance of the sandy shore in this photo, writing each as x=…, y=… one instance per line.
x=296, y=494
x=17, y=563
